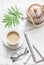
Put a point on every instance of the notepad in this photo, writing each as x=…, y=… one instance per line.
x=36, y=38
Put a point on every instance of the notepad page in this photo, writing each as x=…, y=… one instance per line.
x=36, y=38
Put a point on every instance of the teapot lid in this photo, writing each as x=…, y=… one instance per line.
x=35, y=11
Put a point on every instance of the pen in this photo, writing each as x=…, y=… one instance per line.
x=31, y=50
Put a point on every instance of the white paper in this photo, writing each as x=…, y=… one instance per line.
x=36, y=38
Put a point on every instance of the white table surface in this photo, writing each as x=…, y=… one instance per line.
x=24, y=26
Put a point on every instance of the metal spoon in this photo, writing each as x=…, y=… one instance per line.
x=27, y=60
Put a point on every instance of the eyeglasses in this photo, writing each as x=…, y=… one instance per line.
x=16, y=56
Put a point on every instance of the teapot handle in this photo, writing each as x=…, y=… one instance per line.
x=30, y=17
x=42, y=6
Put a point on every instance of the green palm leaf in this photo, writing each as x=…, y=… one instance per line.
x=12, y=17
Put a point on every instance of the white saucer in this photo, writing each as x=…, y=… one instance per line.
x=21, y=42
x=19, y=46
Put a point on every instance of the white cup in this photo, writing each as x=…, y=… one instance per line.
x=13, y=38
x=15, y=45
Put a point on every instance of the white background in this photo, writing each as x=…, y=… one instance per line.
x=4, y=5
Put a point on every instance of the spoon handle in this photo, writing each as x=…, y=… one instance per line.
x=27, y=59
